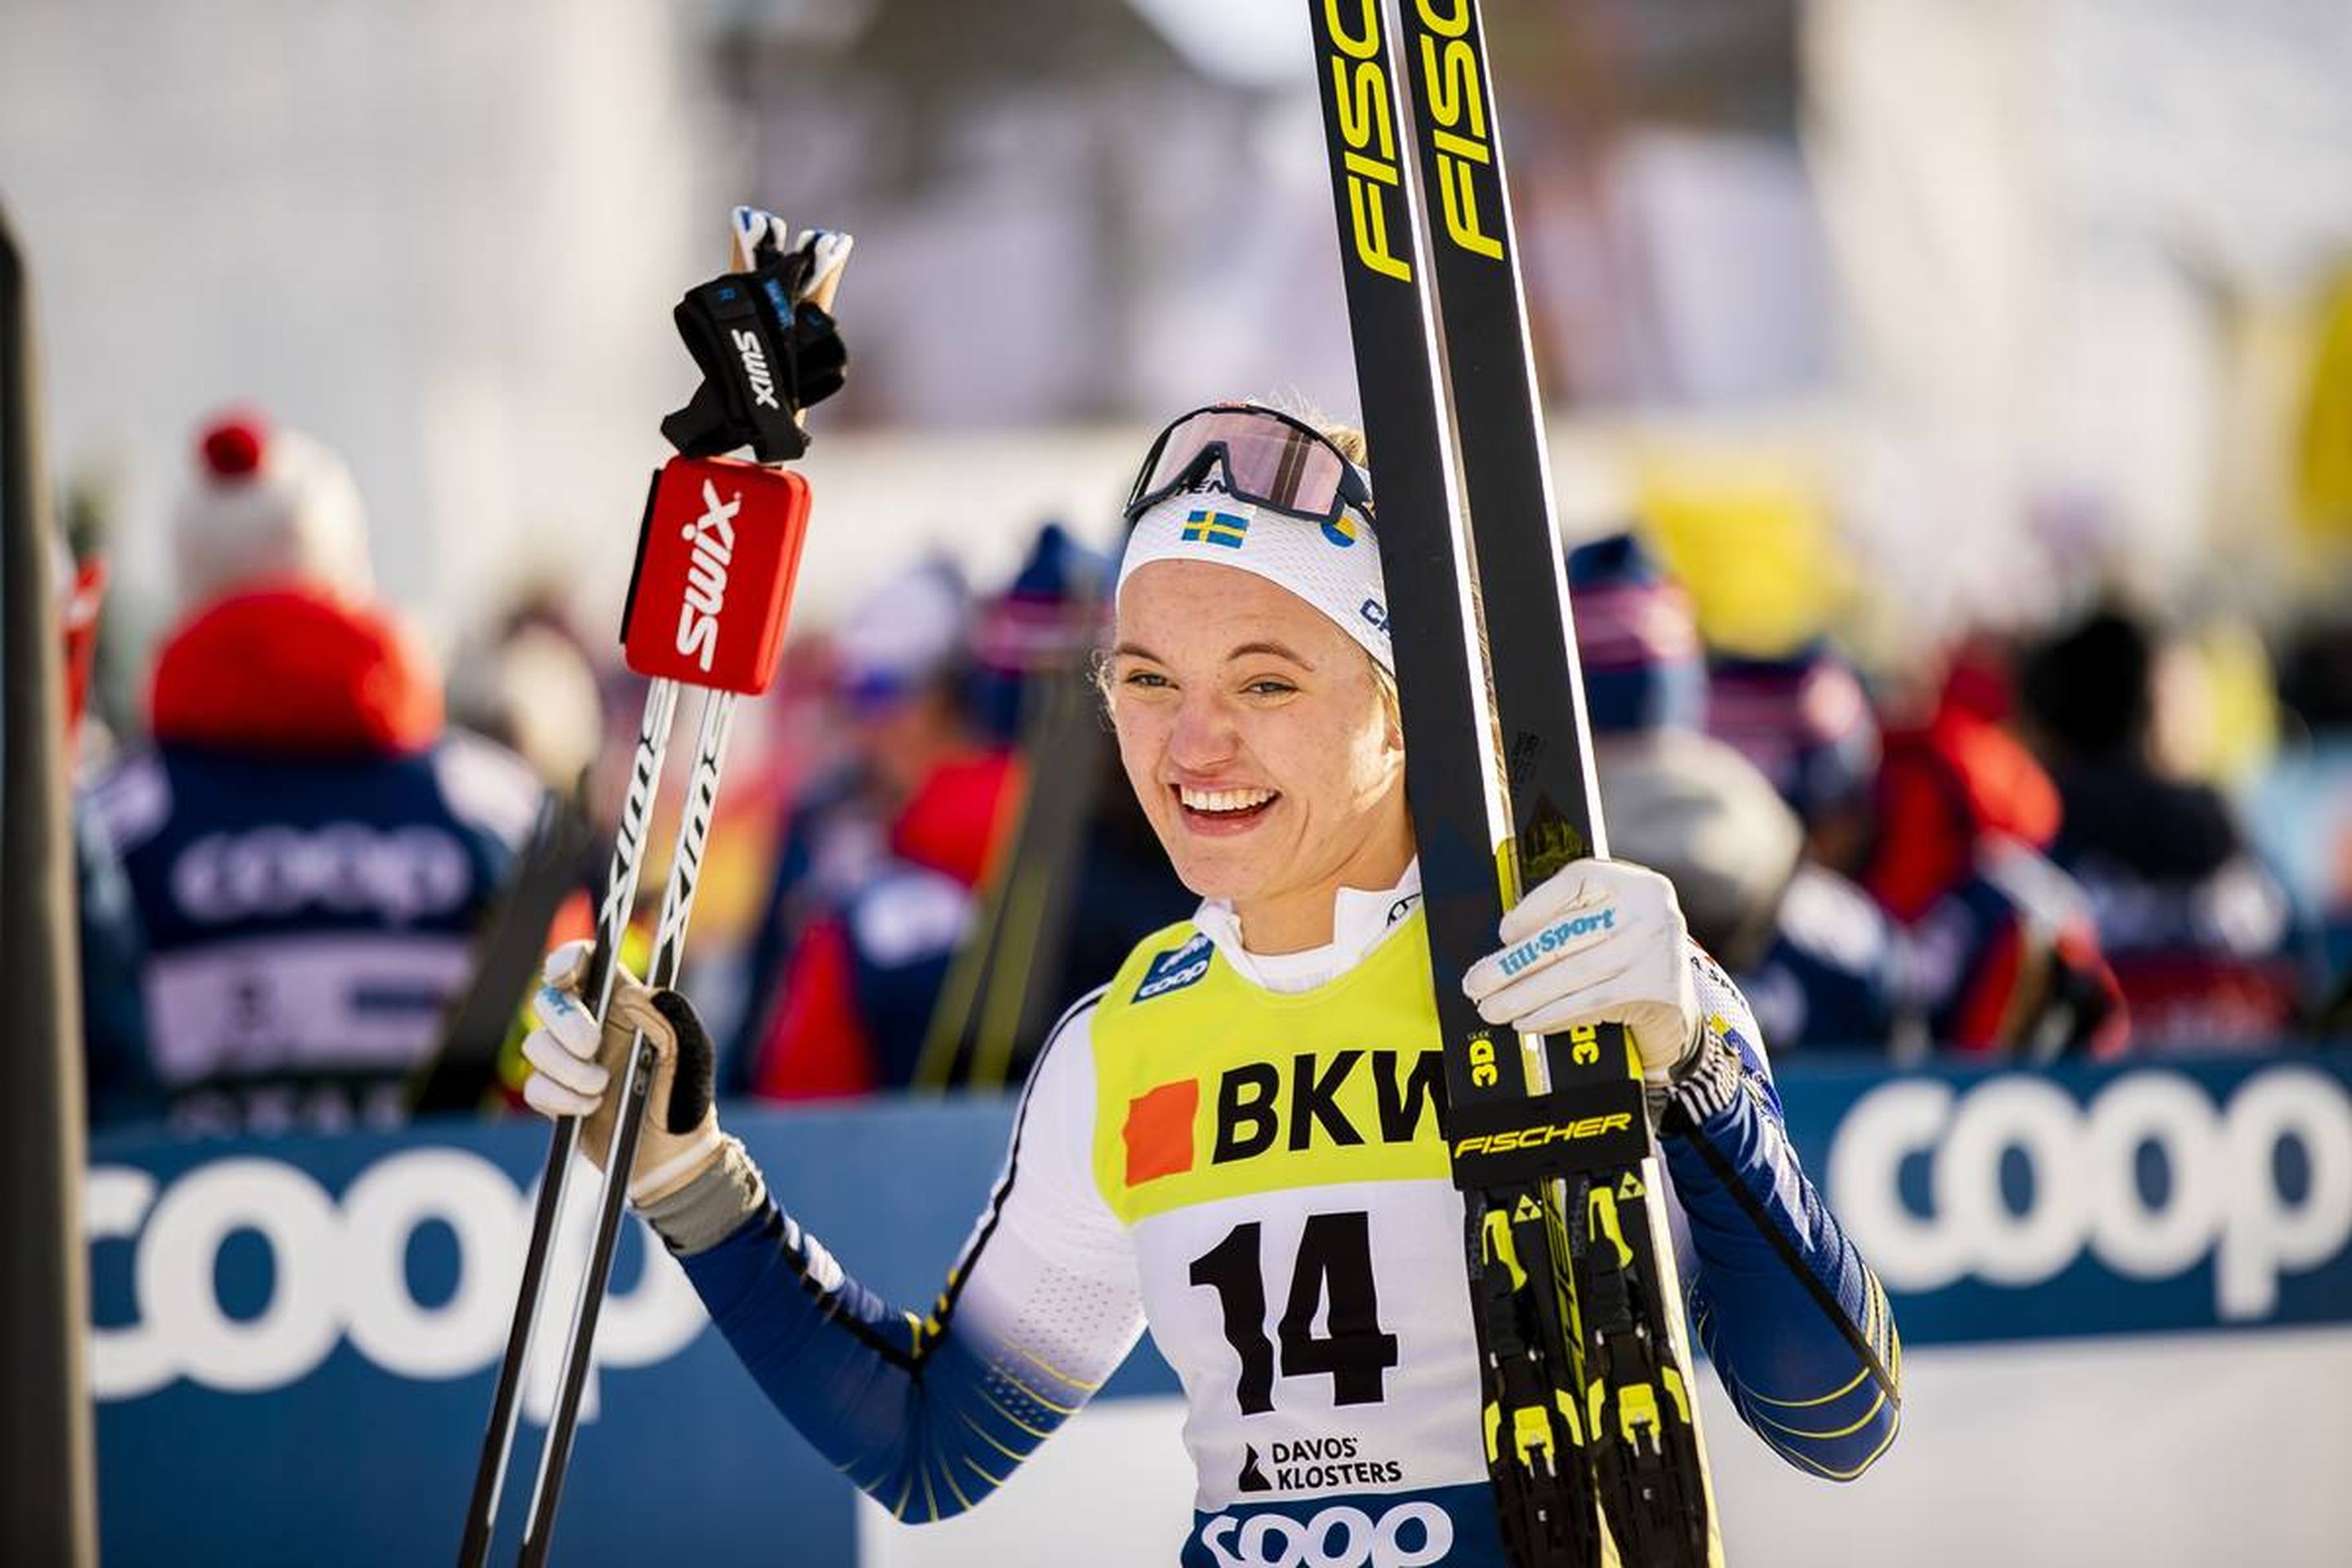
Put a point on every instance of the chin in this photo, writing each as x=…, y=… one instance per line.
x=1208, y=881
x=1212, y=877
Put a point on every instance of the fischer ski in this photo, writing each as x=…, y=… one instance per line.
x=1647, y=1455
x=1593, y=1442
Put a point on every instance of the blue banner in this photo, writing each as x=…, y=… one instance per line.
x=295, y=1339
x=2129, y=1199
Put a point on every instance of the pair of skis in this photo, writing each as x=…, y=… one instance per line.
x=1593, y=1440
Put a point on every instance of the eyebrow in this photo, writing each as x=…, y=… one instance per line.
x=1278, y=649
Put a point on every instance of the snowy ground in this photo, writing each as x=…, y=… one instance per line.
x=2155, y=1452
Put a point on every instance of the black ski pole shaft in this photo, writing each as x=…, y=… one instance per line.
x=670, y=952
x=612, y=924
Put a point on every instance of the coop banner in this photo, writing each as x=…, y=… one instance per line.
x=294, y=1336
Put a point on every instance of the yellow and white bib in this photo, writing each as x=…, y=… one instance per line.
x=1275, y=1161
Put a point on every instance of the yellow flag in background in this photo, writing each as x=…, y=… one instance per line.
x=2218, y=717
x=2324, y=460
x=1749, y=536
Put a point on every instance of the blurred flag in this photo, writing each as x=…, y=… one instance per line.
x=2324, y=465
x=1747, y=534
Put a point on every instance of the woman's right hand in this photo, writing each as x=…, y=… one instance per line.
x=574, y=1072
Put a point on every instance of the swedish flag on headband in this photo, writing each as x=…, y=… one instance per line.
x=1206, y=527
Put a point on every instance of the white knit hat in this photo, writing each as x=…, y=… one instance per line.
x=1334, y=566
x=268, y=505
x=903, y=635
x=1694, y=809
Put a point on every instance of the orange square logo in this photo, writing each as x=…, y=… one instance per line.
x=1159, y=1132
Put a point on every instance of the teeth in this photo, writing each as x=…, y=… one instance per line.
x=1223, y=799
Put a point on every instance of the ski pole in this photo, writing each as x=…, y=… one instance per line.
x=612, y=924
x=745, y=523
x=669, y=949
x=717, y=552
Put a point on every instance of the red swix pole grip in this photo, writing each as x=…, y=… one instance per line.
x=717, y=555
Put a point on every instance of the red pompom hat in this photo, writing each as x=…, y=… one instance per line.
x=268, y=506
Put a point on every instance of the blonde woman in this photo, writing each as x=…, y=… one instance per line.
x=1234, y=1141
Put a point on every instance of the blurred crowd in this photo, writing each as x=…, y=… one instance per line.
x=1991, y=858
x=317, y=870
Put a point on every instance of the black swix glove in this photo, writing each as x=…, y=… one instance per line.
x=767, y=347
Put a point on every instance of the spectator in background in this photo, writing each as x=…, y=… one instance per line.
x=1047, y=620
x=1091, y=879
x=531, y=686
x=1858, y=905
x=1805, y=721
x=527, y=682
x=2302, y=812
x=1815, y=957
x=876, y=885
x=2002, y=952
x=118, y=1087
x=2200, y=930
x=1940, y=825
x=309, y=850
x=1833, y=971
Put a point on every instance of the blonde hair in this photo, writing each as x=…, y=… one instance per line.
x=1348, y=438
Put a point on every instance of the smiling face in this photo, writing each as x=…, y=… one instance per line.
x=1256, y=737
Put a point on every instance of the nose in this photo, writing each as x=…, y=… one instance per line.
x=1203, y=735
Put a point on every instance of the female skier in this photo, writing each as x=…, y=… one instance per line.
x=1243, y=1123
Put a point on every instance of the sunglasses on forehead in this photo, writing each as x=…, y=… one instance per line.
x=1258, y=455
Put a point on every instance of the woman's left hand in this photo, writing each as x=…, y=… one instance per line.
x=1600, y=942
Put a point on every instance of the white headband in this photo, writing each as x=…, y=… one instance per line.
x=1334, y=566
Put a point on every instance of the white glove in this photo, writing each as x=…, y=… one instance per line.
x=572, y=1068
x=1600, y=942
x=756, y=232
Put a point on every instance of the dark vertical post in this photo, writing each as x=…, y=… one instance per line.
x=47, y=1495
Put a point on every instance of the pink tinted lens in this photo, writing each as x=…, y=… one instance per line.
x=1265, y=460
